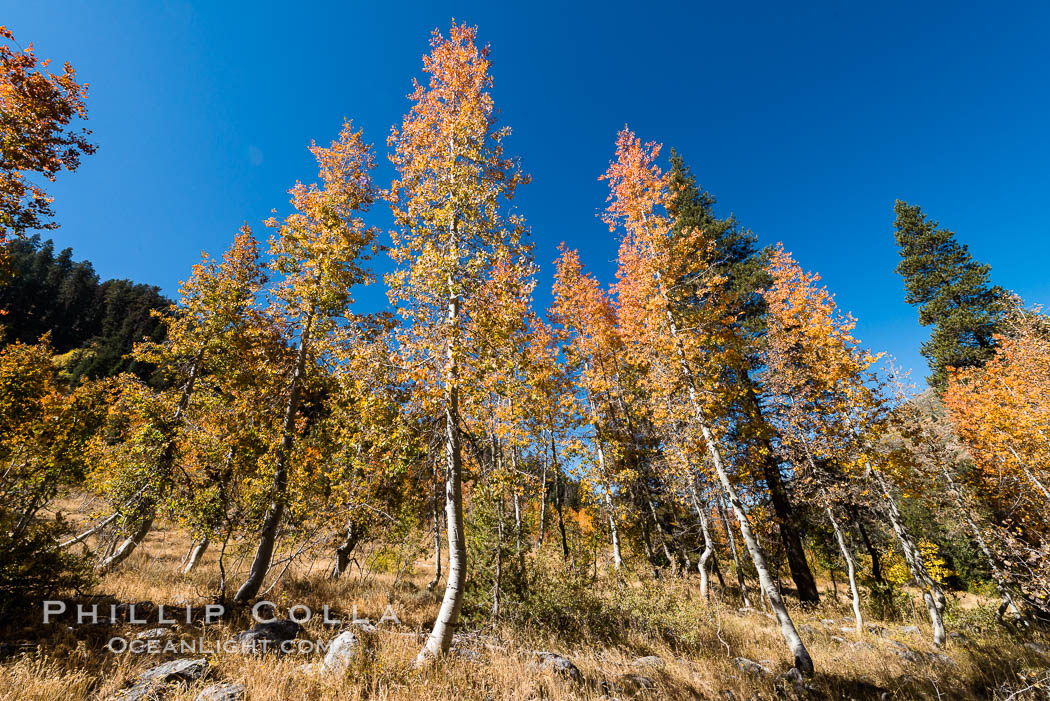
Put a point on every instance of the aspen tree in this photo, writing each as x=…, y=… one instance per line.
x=453, y=181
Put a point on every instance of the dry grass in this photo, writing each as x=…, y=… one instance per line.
x=697, y=642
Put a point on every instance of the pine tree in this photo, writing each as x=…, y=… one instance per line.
x=952, y=292
x=742, y=269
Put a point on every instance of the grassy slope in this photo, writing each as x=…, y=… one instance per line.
x=697, y=642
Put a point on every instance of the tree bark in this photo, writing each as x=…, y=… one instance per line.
x=543, y=502
x=930, y=591
x=718, y=572
x=803, y=661
x=345, y=549
x=876, y=562
x=435, y=514
x=709, y=550
x=517, y=503
x=195, y=555
x=787, y=519
x=997, y=573
x=741, y=582
x=851, y=568
x=448, y=615
x=499, y=559
x=558, y=498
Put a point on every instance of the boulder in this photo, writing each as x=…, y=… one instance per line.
x=556, y=663
x=751, y=667
x=649, y=661
x=154, y=634
x=227, y=691
x=148, y=684
x=140, y=692
x=341, y=651
x=635, y=683
x=909, y=630
x=906, y=652
x=267, y=637
x=792, y=685
x=184, y=671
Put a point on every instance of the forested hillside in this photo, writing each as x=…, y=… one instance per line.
x=92, y=324
x=691, y=478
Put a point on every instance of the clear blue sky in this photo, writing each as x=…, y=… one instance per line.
x=806, y=122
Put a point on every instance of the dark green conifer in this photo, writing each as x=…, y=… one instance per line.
x=952, y=292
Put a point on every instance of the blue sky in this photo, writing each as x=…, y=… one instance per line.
x=805, y=120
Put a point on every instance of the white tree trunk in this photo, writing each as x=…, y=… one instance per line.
x=803, y=662
x=543, y=502
x=195, y=555
x=448, y=615
x=709, y=549
x=913, y=557
x=997, y=573
x=851, y=568
x=728, y=528
x=435, y=513
x=614, y=529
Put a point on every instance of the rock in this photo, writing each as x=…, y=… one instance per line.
x=148, y=684
x=649, y=661
x=942, y=658
x=1036, y=647
x=791, y=684
x=340, y=652
x=907, y=653
x=183, y=671
x=751, y=667
x=556, y=663
x=154, y=634
x=861, y=645
x=807, y=629
x=957, y=636
x=139, y=692
x=636, y=683
x=228, y=691
x=828, y=622
x=875, y=629
x=849, y=630
x=837, y=639
x=909, y=630
x=267, y=637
